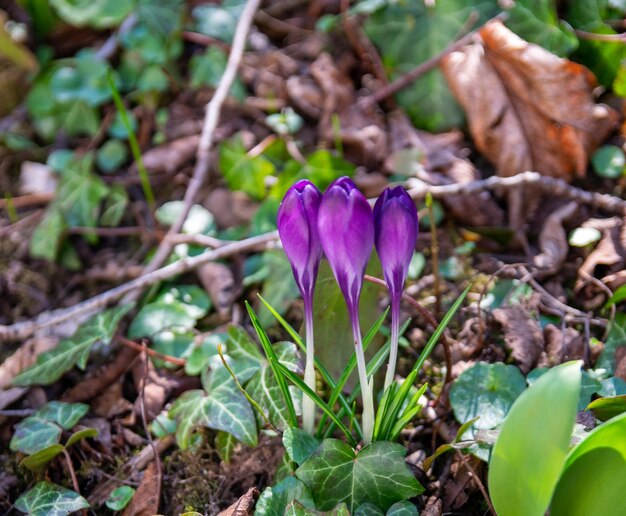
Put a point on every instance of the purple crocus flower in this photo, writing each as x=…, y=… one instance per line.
x=395, y=220
x=346, y=229
x=297, y=227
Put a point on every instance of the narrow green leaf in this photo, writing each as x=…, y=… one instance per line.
x=530, y=452
x=225, y=445
x=37, y=461
x=318, y=401
x=85, y=433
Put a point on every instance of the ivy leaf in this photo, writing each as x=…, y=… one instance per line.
x=53, y=364
x=377, y=474
x=488, y=391
x=114, y=206
x=368, y=509
x=279, y=287
x=420, y=31
x=403, y=508
x=264, y=389
x=48, y=499
x=299, y=444
x=295, y=508
x=64, y=414
x=46, y=239
x=37, y=461
x=241, y=171
x=119, y=498
x=225, y=445
x=274, y=500
x=34, y=434
x=222, y=407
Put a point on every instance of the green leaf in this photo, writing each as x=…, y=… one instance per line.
x=299, y=444
x=37, y=461
x=224, y=408
x=488, y=391
x=618, y=296
x=206, y=69
x=47, y=237
x=420, y=31
x=241, y=346
x=264, y=388
x=403, y=508
x=205, y=354
x=199, y=220
x=85, y=433
x=100, y=14
x=594, y=477
x=615, y=339
x=608, y=161
x=225, y=445
x=33, y=435
x=368, y=509
x=274, y=500
x=217, y=22
x=530, y=452
x=53, y=364
x=606, y=408
x=602, y=57
x=162, y=17
x=112, y=155
x=115, y=206
x=295, y=508
x=377, y=474
x=582, y=237
x=48, y=499
x=538, y=22
x=120, y=497
x=279, y=287
x=64, y=414
x=241, y=171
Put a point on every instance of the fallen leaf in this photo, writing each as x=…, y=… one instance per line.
x=244, y=506
x=522, y=335
x=24, y=357
x=145, y=502
x=553, y=240
x=527, y=108
x=171, y=156
x=562, y=345
x=219, y=282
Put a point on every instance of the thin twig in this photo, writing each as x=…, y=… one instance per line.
x=425, y=67
x=144, y=420
x=25, y=329
x=479, y=482
x=70, y=466
x=203, y=155
x=613, y=38
x=153, y=353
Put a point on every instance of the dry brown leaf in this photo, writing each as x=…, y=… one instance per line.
x=157, y=389
x=553, y=240
x=527, y=108
x=145, y=502
x=522, y=335
x=244, y=506
x=219, y=282
x=562, y=345
x=171, y=156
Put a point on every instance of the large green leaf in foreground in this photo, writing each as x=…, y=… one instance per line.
x=47, y=499
x=530, y=452
x=377, y=474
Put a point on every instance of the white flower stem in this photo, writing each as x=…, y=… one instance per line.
x=367, y=388
x=393, y=350
x=308, y=406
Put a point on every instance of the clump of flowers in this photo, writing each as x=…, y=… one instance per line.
x=342, y=225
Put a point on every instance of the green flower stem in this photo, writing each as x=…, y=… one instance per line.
x=308, y=406
x=393, y=352
x=367, y=388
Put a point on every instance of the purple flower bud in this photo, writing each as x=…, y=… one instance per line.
x=297, y=227
x=346, y=229
x=395, y=220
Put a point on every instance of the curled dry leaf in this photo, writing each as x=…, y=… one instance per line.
x=442, y=160
x=522, y=335
x=219, y=282
x=608, y=256
x=527, y=108
x=553, y=240
x=562, y=345
x=145, y=502
x=244, y=506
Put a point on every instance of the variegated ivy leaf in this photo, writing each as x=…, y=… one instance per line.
x=48, y=499
x=377, y=474
x=221, y=406
x=34, y=434
x=64, y=414
x=53, y=364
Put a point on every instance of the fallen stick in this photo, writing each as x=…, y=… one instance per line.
x=417, y=190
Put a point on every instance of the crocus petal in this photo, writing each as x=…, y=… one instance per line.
x=346, y=230
x=297, y=227
x=396, y=224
